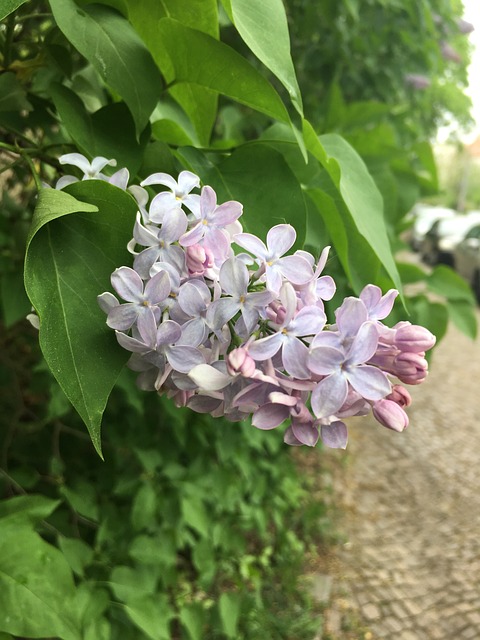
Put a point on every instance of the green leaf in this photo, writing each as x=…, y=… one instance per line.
x=130, y=584
x=77, y=553
x=36, y=587
x=82, y=498
x=432, y=315
x=358, y=190
x=195, y=515
x=199, y=104
x=445, y=282
x=98, y=134
x=360, y=264
x=111, y=45
x=152, y=614
x=192, y=617
x=9, y=6
x=154, y=550
x=258, y=177
x=463, y=314
x=263, y=27
x=229, y=608
x=144, y=507
x=30, y=508
x=13, y=96
x=199, y=59
x=71, y=253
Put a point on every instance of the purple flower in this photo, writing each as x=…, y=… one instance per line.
x=417, y=81
x=345, y=367
x=179, y=194
x=160, y=242
x=287, y=338
x=129, y=286
x=234, y=281
x=210, y=229
x=296, y=269
x=159, y=343
x=378, y=305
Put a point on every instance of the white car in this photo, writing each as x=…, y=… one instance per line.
x=444, y=235
x=425, y=216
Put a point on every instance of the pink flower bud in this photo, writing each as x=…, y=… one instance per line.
x=390, y=415
x=198, y=259
x=276, y=312
x=400, y=395
x=239, y=361
x=413, y=338
x=411, y=368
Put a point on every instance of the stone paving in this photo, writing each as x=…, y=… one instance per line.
x=409, y=507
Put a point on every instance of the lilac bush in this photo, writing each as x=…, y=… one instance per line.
x=244, y=333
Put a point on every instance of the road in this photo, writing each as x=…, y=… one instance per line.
x=409, y=505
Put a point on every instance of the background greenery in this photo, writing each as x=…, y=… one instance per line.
x=190, y=528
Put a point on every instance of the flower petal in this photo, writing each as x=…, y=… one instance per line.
x=266, y=348
x=280, y=239
x=329, y=395
x=234, y=277
x=306, y=433
x=252, y=244
x=370, y=382
x=334, y=435
x=184, y=358
x=209, y=378
x=122, y=316
x=270, y=416
x=128, y=284
x=295, y=269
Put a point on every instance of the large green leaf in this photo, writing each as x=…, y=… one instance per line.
x=73, y=247
x=358, y=190
x=9, y=6
x=263, y=26
x=258, y=176
x=36, y=587
x=360, y=264
x=112, y=46
x=199, y=104
x=99, y=134
x=199, y=59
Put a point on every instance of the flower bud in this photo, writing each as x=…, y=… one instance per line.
x=390, y=415
x=198, y=259
x=400, y=395
x=413, y=338
x=411, y=368
x=240, y=362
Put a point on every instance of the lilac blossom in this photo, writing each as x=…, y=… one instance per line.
x=288, y=335
x=342, y=368
x=140, y=300
x=296, y=269
x=179, y=194
x=234, y=280
x=210, y=228
x=241, y=336
x=162, y=243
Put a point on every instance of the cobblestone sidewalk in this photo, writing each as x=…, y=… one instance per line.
x=410, y=513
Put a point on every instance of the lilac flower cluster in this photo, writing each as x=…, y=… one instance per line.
x=245, y=334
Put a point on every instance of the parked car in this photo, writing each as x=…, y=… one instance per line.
x=424, y=217
x=467, y=259
x=444, y=235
